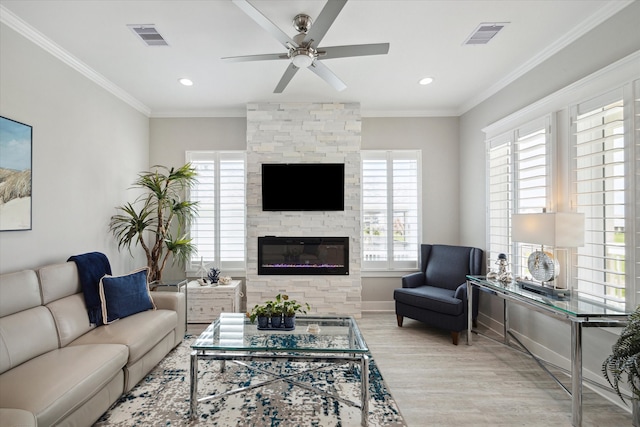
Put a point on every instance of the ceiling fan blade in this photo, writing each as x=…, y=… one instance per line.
x=265, y=23
x=286, y=78
x=327, y=75
x=321, y=25
x=354, y=50
x=264, y=57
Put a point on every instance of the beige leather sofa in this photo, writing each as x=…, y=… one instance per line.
x=57, y=369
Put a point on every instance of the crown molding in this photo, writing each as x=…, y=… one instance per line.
x=603, y=80
x=408, y=113
x=21, y=27
x=604, y=13
x=232, y=112
x=241, y=112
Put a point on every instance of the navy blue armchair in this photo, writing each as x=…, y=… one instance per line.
x=437, y=295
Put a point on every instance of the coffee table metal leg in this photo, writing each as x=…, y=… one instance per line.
x=193, y=390
x=364, y=381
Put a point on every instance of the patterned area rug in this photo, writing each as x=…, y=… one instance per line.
x=162, y=397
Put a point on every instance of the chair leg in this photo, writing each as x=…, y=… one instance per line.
x=474, y=322
x=454, y=337
x=400, y=319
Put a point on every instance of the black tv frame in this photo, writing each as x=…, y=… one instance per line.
x=303, y=187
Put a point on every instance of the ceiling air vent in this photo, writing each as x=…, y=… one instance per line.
x=149, y=35
x=484, y=33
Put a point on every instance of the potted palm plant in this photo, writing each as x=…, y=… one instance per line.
x=624, y=363
x=158, y=219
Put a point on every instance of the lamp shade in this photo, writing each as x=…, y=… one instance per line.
x=557, y=229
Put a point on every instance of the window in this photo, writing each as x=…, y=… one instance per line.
x=218, y=232
x=592, y=167
x=600, y=181
x=519, y=181
x=391, y=217
x=500, y=196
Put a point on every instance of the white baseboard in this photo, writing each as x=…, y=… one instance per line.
x=554, y=358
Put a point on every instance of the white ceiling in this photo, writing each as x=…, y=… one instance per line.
x=426, y=38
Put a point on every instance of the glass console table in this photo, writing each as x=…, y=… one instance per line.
x=575, y=310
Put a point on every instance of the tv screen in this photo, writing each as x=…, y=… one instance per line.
x=302, y=186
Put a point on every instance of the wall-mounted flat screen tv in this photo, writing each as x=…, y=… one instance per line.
x=303, y=186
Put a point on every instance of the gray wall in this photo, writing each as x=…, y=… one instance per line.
x=615, y=39
x=436, y=137
x=87, y=148
x=171, y=137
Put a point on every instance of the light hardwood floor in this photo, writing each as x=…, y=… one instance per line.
x=485, y=385
x=438, y=384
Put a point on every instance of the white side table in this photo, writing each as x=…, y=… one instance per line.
x=205, y=303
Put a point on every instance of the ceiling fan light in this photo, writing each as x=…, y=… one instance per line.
x=302, y=61
x=302, y=57
x=425, y=81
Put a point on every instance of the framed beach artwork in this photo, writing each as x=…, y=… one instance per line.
x=15, y=175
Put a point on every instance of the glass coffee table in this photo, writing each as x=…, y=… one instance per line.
x=319, y=340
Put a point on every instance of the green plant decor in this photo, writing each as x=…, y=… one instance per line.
x=282, y=305
x=624, y=362
x=276, y=308
x=290, y=307
x=158, y=219
x=259, y=310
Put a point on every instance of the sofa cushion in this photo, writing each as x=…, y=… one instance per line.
x=59, y=281
x=17, y=418
x=26, y=335
x=70, y=315
x=430, y=298
x=19, y=291
x=55, y=384
x=122, y=296
x=140, y=332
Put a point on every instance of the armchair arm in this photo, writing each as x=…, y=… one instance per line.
x=414, y=280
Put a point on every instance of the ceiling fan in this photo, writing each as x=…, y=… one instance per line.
x=303, y=50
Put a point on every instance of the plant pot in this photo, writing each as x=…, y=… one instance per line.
x=276, y=321
x=289, y=321
x=263, y=321
x=635, y=412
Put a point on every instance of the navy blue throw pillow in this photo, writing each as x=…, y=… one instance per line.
x=122, y=296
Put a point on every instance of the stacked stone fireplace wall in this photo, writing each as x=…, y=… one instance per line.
x=305, y=133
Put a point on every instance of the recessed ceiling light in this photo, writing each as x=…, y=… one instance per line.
x=425, y=80
x=185, y=82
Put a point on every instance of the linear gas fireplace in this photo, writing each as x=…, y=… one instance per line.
x=303, y=255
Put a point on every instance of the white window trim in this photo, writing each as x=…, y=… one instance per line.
x=191, y=268
x=513, y=250
x=622, y=73
x=390, y=267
